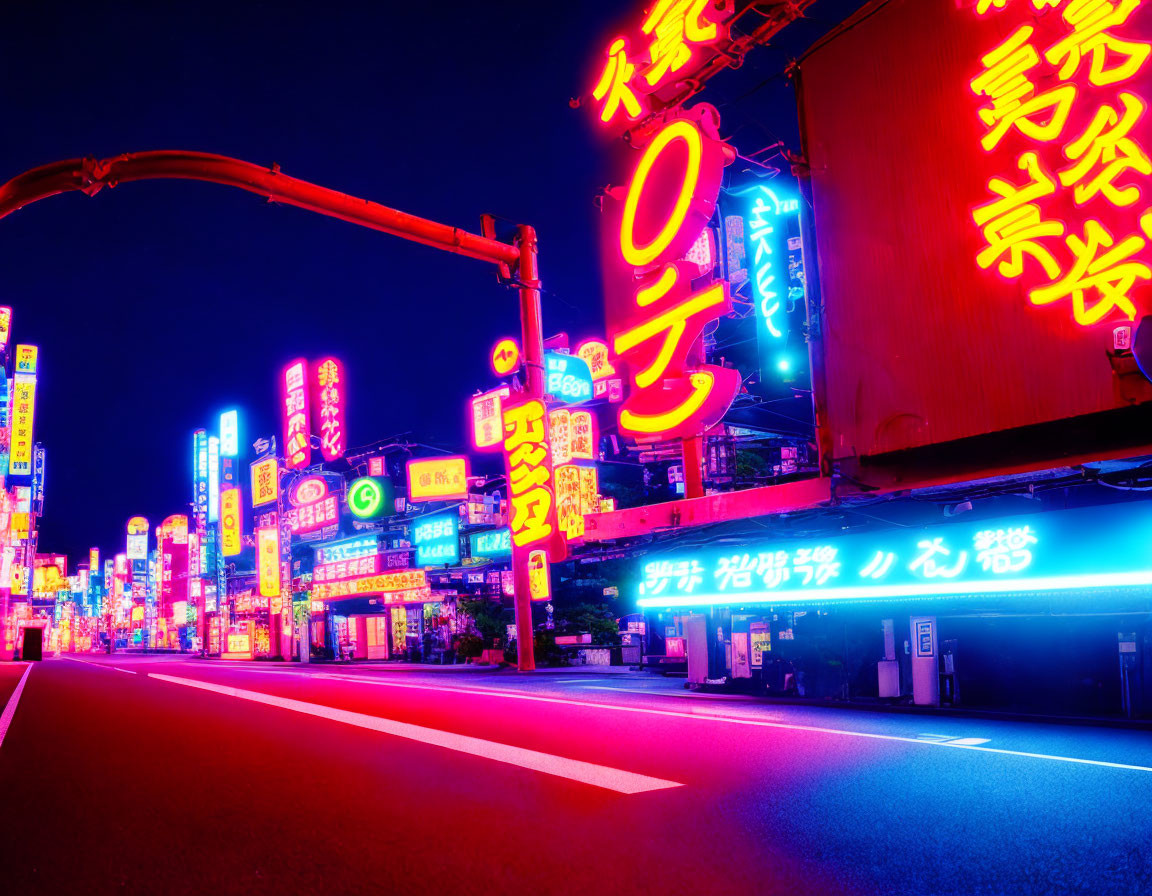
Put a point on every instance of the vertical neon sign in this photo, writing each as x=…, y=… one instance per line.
x=213, y=479
x=330, y=393
x=777, y=275
x=294, y=403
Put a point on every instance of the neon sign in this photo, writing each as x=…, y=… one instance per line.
x=315, y=508
x=438, y=478
x=672, y=43
x=528, y=462
x=330, y=399
x=23, y=414
x=294, y=404
x=1065, y=102
x=213, y=479
x=491, y=545
x=486, y=418
x=567, y=378
x=265, y=476
x=230, y=522
x=229, y=434
x=268, y=560
x=778, y=281
x=670, y=198
x=26, y=357
x=437, y=540
x=5, y=325
x=368, y=498
x=505, y=357
x=342, y=570
x=349, y=549
x=1084, y=548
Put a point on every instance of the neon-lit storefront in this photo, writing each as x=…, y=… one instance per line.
x=916, y=605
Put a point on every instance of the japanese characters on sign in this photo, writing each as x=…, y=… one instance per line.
x=268, y=560
x=567, y=379
x=231, y=522
x=213, y=479
x=137, y=544
x=655, y=314
x=644, y=68
x=294, y=403
x=778, y=283
x=330, y=400
x=342, y=570
x=437, y=540
x=5, y=326
x=487, y=429
x=26, y=357
x=1067, y=215
x=230, y=434
x=490, y=545
x=1049, y=552
x=505, y=357
x=438, y=478
x=348, y=549
x=23, y=411
x=528, y=461
x=539, y=577
x=265, y=481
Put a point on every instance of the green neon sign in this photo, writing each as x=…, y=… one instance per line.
x=368, y=498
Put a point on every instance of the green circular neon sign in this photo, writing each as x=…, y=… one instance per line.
x=366, y=498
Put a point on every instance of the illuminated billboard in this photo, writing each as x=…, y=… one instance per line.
x=437, y=540
x=971, y=283
x=231, y=522
x=23, y=412
x=494, y=545
x=438, y=478
x=229, y=434
x=1087, y=548
x=330, y=398
x=268, y=560
x=265, y=481
x=294, y=411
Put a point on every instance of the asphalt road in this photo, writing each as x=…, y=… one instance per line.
x=163, y=775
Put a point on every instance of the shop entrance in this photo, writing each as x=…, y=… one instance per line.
x=33, y=644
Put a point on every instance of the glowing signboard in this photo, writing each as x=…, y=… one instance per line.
x=330, y=398
x=213, y=479
x=294, y=405
x=655, y=321
x=539, y=577
x=200, y=479
x=342, y=570
x=231, y=522
x=567, y=378
x=26, y=357
x=1055, y=103
x=5, y=326
x=572, y=435
x=369, y=498
x=491, y=545
x=505, y=357
x=595, y=354
x=438, y=478
x=777, y=265
x=137, y=546
x=268, y=560
x=265, y=476
x=437, y=540
x=23, y=412
x=229, y=434
x=348, y=549
x=670, y=45
x=486, y=418
x=1087, y=548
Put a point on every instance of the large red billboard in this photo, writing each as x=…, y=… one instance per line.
x=982, y=197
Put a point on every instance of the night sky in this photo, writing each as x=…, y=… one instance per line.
x=161, y=303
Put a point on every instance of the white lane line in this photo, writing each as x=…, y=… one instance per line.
x=959, y=744
x=87, y=662
x=10, y=709
x=118, y=669
x=574, y=769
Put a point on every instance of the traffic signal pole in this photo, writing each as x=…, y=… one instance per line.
x=91, y=175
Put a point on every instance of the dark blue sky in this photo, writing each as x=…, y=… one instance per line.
x=158, y=304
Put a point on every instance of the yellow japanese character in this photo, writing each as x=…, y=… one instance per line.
x=614, y=85
x=524, y=478
x=1012, y=223
x=523, y=423
x=1090, y=21
x=1014, y=99
x=982, y=6
x=673, y=25
x=1106, y=146
x=530, y=512
x=1111, y=274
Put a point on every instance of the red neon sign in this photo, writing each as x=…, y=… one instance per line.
x=1056, y=104
x=670, y=198
x=294, y=403
x=330, y=397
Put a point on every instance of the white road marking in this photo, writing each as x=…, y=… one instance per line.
x=118, y=669
x=74, y=659
x=574, y=769
x=735, y=720
x=10, y=709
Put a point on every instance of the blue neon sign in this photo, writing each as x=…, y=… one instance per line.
x=437, y=540
x=568, y=379
x=776, y=269
x=1098, y=547
x=494, y=544
x=348, y=549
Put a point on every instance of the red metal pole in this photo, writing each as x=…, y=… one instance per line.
x=91, y=175
x=532, y=337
